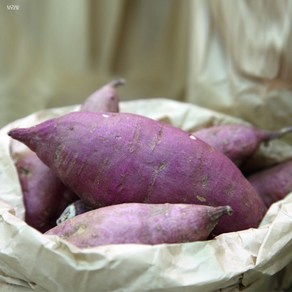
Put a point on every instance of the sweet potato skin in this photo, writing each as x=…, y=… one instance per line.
x=237, y=142
x=105, y=99
x=44, y=195
x=273, y=183
x=118, y=158
x=141, y=223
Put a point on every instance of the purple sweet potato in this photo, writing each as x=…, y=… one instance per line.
x=273, y=183
x=118, y=158
x=76, y=208
x=44, y=195
x=238, y=142
x=141, y=223
x=104, y=99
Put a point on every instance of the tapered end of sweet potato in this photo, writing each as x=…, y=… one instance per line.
x=35, y=135
x=278, y=134
x=104, y=99
x=20, y=134
x=117, y=82
x=220, y=211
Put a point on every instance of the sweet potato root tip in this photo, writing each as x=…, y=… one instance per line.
x=278, y=134
x=117, y=82
x=220, y=211
x=18, y=133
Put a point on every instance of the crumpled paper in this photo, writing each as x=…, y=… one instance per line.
x=250, y=260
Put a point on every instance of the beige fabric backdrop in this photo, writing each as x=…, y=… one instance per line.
x=232, y=56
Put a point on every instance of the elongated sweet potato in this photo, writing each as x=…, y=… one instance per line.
x=76, y=208
x=273, y=183
x=105, y=99
x=44, y=195
x=238, y=142
x=118, y=158
x=141, y=223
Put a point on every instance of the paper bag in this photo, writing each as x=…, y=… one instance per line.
x=249, y=260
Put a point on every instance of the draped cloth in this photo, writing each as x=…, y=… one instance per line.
x=230, y=56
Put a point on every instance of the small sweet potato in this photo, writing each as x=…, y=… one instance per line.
x=118, y=158
x=273, y=183
x=105, y=99
x=76, y=208
x=238, y=142
x=44, y=195
x=141, y=223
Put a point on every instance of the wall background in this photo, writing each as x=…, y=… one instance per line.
x=231, y=56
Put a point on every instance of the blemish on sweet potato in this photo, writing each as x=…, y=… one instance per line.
x=24, y=171
x=134, y=143
x=100, y=171
x=204, y=181
x=154, y=177
x=201, y=199
x=230, y=191
x=157, y=139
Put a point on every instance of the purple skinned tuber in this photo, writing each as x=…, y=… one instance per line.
x=114, y=158
x=44, y=196
x=273, y=183
x=142, y=224
x=104, y=99
x=238, y=142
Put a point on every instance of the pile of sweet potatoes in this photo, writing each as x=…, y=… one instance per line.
x=138, y=180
